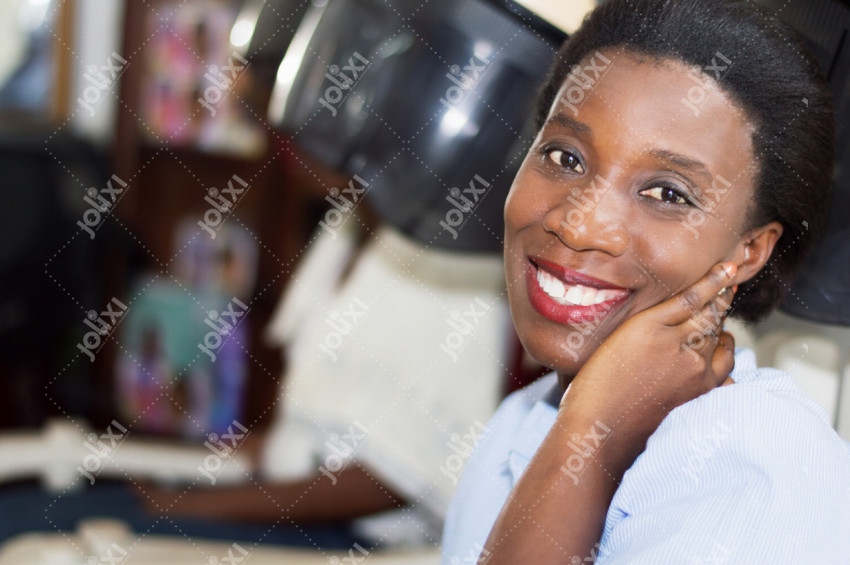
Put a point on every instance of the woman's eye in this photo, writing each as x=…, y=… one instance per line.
x=665, y=194
x=566, y=160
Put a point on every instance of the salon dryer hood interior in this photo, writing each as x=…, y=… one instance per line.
x=427, y=103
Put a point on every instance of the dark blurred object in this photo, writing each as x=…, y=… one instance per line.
x=821, y=291
x=430, y=105
x=51, y=274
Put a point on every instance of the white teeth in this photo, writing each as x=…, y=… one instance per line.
x=576, y=295
x=544, y=280
x=592, y=298
x=557, y=288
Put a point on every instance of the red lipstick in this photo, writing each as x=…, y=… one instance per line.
x=605, y=296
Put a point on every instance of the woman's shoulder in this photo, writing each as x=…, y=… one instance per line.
x=752, y=459
x=760, y=434
x=763, y=418
x=763, y=400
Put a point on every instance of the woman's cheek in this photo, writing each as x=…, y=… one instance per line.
x=669, y=264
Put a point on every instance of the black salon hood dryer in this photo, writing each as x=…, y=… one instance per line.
x=429, y=104
x=821, y=291
x=422, y=99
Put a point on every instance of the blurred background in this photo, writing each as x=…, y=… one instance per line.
x=169, y=165
x=120, y=120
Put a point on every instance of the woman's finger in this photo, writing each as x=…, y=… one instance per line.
x=687, y=304
x=709, y=321
x=723, y=358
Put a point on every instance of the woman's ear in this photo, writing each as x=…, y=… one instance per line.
x=755, y=249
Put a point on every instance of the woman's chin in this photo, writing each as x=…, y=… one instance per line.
x=559, y=357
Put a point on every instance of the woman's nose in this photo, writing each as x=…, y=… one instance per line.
x=589, y=219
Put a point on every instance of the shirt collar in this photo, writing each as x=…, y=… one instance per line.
x=533, y=430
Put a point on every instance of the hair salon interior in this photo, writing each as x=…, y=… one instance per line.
x=203, y=203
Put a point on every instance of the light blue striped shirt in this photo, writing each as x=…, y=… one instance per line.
x=748, y=473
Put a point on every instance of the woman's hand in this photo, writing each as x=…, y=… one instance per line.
x=655, y=361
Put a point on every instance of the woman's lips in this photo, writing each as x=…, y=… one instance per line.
x=568, y=297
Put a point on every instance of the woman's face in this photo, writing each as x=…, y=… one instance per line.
x=628, y=195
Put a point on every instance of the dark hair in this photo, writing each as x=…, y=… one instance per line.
x=772, y=75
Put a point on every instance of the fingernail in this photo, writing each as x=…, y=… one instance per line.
x=734, y=288
x=730, y=268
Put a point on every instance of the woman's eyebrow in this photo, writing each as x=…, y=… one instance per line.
x=681, y=161
x=569, y=123
x=676, y=159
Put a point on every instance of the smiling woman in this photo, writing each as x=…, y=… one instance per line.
x=601, y=202
x=680, y=170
